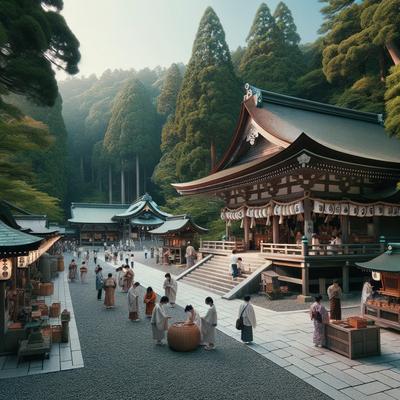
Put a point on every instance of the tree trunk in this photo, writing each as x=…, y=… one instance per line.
x=394, y=52
x=382, y=66
x=100, y=180
x=213, y=155
x=109, y=184
x=137, y=177
x=144, y=180
x=82, y=169
x=122, y=184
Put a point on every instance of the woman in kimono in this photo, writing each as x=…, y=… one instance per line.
x=159, y=320
x=133, y=302
x=246, y=311
x=128, y=278
x=109, y=288
x=72, y=271
x=208, y=325
x=150, y=299
x=171, y=287
x=83, y=270
x=319, y=316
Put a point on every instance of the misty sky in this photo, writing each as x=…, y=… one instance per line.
x=146, y=33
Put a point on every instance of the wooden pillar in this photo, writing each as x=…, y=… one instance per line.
x=308, y=222
x=345, y=278
x=344, y=226
x=376, y=222
x=275, y=229
x=304, y=277
x=227, y=231
x=3, y=311
x=246, y=228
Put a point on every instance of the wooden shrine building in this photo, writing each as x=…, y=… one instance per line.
x=112, y=223
x=313, y=186
x=176, y=233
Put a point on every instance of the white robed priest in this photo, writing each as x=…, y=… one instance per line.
x=159, y=320
x=133, y=302
x=209, y=324
x=190, y=255
x=171, y=287
x=366, y=294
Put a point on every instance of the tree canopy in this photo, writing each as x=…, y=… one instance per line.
x=34, y=37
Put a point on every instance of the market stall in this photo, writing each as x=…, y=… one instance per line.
x=384, y=308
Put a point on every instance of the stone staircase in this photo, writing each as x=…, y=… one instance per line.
x=214, y=275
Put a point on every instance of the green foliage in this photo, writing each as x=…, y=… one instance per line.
x=166, y=101
x=33, y=38
x=20, y=135
x=206, y=109
x=134, y=127
x=273, y=59
x=392, y=98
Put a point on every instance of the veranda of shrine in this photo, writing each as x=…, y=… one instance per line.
x=295, y=168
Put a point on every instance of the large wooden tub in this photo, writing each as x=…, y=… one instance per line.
x=183, y=336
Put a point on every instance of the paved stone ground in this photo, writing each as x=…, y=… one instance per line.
x=286, y=339
x=122, y=362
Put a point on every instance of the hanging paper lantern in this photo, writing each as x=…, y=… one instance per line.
x=353, y=210
x=388, y=211
x=344, y=209
x=329, y=208
x=277, y=209
x=337, y=209
x=362, y=211
x=318, y=207
x=378, y=210
x=5, y=269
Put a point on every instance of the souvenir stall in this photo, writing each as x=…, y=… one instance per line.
x=384, y=307
x=176, y=232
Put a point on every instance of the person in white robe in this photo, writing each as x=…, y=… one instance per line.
x=133, y=302
x=159, y=320
x=367, y=293
x=246, y=311
x=193, y=317
x=171, y=287
x=190, y=255
x=209, y=324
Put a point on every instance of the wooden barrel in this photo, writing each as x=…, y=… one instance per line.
x=46, y=289
x=56, y=333
x=60, y=263
x=183, y=337
x=55, y=310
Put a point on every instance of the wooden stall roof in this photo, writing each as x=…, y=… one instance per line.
x=389, y=261
x=179, y=223
x=272, y=127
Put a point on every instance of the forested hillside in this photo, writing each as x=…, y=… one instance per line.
x=127, y=132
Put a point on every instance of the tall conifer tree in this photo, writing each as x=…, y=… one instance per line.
x=166, y=101
x=206, y=110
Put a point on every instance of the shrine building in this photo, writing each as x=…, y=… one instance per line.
x=311, y=186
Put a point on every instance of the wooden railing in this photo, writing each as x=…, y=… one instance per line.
x=221, y=245
x=305, y=249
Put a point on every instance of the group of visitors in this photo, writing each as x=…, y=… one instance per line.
x=236, y=266
x=73, y=271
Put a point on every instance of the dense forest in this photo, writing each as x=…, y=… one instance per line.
x=113, y=137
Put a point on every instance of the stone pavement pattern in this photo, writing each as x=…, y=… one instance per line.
x=63, y=356
x=285, y=338
x=122, y=362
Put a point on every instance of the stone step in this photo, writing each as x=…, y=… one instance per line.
x=205, y=286
x=226, y=267
x=217, y=273
x=226, y=279
x=227, y=285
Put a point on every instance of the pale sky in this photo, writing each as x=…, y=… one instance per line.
x=146, y=33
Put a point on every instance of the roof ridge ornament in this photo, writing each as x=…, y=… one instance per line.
x=253, y=91
x=252, y=135
x=303, y=159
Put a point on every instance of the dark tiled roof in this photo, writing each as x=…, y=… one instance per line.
x=12, y=239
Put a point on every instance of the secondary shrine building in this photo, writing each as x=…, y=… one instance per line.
x=311, y=186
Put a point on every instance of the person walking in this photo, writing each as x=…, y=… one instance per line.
x=159, y=320
x=334, y=294
x=132, y=260
x=190, y=255
x=133, y=302
x=208, y=325
x=109, y=288
x=95, y=257
x=128, y=278
x=99, y=282
x=319, y=316
x=83, y=270
x=145, y=251
x=150, y=299
x=72, y=271
x=157, y=254
x=171, y=287
x=248, y=319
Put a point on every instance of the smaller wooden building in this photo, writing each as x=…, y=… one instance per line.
x=386, y=308
x=176, y=233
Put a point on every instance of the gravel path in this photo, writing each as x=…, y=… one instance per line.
x=121, y=362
